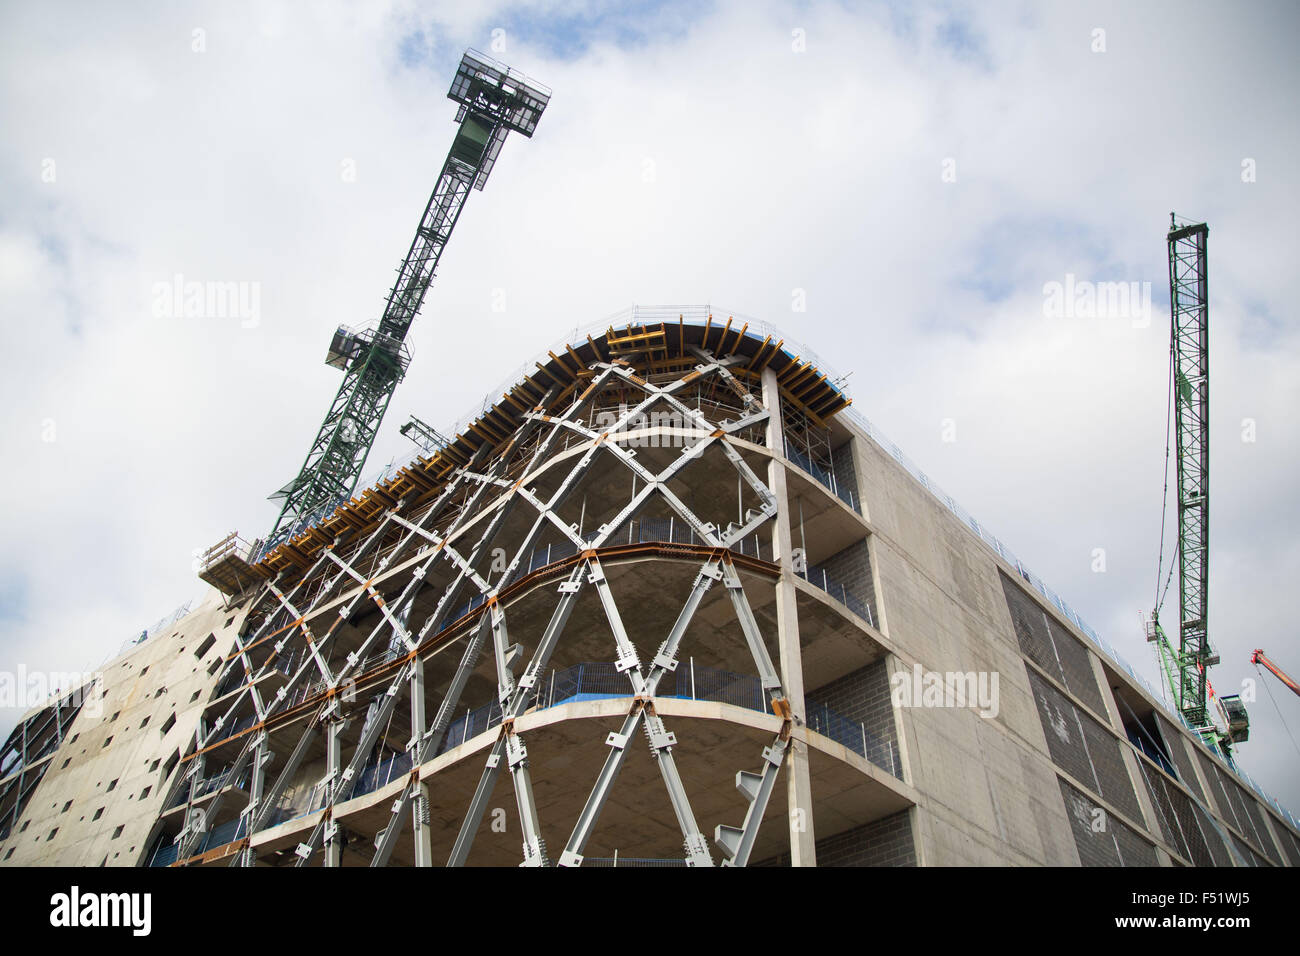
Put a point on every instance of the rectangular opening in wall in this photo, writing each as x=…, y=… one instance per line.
x=1143, y=732
x=1049, y=644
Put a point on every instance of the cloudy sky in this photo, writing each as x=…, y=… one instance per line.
x=915, y=175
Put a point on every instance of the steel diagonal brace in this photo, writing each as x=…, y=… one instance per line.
x=187, y=845
x=534, y=849
x=735, y=842
x=767, y=674
x=739, y=424
x=387, y=617
x=661, y=740
x=501, y=652
x=757, y=484
x=241, y=653
x=412, y=531
x=424, y=750
x=293, y=591
x=317, y=565
x=705, y=530
x=549, y=514
x=393, y=616
x=582, y=830
x=525, y=545
x=453, y=587
x=341, y=787
x=306, y=631
x=628, y=510
x=286, y=774
x=627, y=661
x=694, y=415
x=738, y=842
x=721, y=364
x=344, y=612
x=661, y=747
x=488, y=479
x=453, y=556
x=494, y=526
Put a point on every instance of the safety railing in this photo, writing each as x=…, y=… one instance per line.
x=671, y=530
x=209, y=785
x=155, y=627
x=377, y=775
x=165, y=855
x=632, y=861
x=601, y=680
x=222, y=834
x=823, y=475
x=854, y=735
x=820, y=578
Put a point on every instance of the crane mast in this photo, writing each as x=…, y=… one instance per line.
x=494, y=100
x=1185, y=668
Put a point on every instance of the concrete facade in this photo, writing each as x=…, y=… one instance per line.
x=99, y=799
x=467, y=665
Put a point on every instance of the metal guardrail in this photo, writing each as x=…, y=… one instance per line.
x=601, y=680
x=826, y=478
x=208, y=785
x=165, y=855
x=153, y=629
x=220, y=835
x=640, y=531
x=632, y=861
x=820, y=578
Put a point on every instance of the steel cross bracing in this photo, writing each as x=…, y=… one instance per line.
x=290, y=613
x=494, y=101
x=1189, y=301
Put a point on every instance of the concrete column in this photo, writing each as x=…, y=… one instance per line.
x=798, y=780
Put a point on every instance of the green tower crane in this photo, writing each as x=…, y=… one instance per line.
x=494, y=100
x=1185, y=667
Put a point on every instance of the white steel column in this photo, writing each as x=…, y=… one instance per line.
x=798, y=779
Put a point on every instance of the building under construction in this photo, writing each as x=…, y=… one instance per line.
x=668, y=601
x=663, y=600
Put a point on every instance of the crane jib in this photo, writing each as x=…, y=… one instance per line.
x=494, y=101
